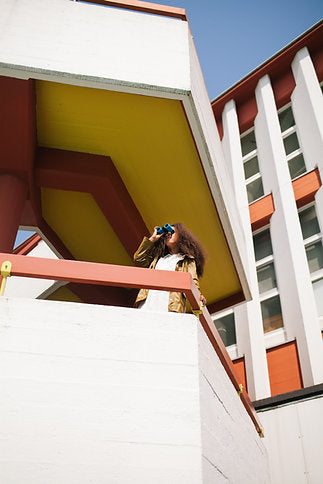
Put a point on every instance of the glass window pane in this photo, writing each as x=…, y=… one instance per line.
x=291, y=143
x=255, y=190
x=262, y=245
x=251, y=167
x=271, y=314
x=318, y=294
x=314, y=253
x=296, y=166
x=309, y=222
x=286, y=119
x=248, y=143
x=266, y=277
x=226, y=328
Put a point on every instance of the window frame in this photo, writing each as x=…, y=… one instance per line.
x=269, y=259
x=288, y=132
x=247, y=157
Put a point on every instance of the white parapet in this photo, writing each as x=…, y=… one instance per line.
x=294, y=441
x=104, y=394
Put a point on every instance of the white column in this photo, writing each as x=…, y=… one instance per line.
x=294, y=283
x=249, y=329
x=307, y=105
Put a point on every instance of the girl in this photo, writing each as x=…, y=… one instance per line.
x=180, y=251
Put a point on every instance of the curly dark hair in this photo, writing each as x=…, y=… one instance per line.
x=188, y=244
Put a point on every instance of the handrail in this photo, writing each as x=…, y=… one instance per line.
x=146, y=7
x=131, y=277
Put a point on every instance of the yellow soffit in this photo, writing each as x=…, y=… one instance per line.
x=151, y=145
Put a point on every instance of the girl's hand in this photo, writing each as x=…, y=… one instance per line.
x=203, y=300
x=154, y=237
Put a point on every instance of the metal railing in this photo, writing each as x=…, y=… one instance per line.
x=128, y=277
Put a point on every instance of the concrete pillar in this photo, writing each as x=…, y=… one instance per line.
x=13, y=193
x=294, y=282
x=249, y=329
x=307, y=106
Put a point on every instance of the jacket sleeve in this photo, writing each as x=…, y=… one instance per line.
x=193, y=272
x=143, y=257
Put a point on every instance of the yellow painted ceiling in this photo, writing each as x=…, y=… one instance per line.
x=151, y=145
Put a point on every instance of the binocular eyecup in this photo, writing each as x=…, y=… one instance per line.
x=166, y=228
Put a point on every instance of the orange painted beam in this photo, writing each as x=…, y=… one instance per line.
x=240, y=368
x=306, y=186
x=261, y=211
x=284, y=369
x=146, y=7
x=95, y=174
x=96, y=273
x=131, y=277
x=27, y=245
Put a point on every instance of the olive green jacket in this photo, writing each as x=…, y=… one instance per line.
x=144, y=258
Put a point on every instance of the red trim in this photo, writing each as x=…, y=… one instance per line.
x=306, y=187
x=130, y=277
x=147, y=7
x=283, y=86
x=28, y=245
x=247, y=111
x=240, y=368
x=226, y=302
x=276, y=69
x=261, y=212
x=95, y=174
x=18, y=126
x=13, y=193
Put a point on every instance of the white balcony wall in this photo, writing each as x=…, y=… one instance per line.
x=94, y=42
x=294, y=441
x=104, y=394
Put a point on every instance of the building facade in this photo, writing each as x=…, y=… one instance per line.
x=272, y=127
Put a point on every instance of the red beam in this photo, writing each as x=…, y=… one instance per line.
x=146, y=7
x=95, y=174
x=306, y=186
x=131, y=277
x=261, y=211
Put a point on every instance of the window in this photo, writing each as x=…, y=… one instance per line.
x=226, y=328
x=271, y=314
x=252, y=174
x=267, y=283
x=295, y=159
x=314, y=251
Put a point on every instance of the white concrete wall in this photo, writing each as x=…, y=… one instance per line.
x=307, y=105
x=89, y=40
x=294, y=441
x=293, y=277
x=248, y=319
x=103, y=394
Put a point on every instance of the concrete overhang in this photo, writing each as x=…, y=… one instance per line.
x=119, y=135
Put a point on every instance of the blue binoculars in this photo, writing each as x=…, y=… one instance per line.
x=166, y=228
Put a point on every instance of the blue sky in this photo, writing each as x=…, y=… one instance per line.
x=233, y=37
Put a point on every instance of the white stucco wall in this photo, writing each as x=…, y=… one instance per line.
x=103, y=394
x=95, y=42
x=294, y=440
